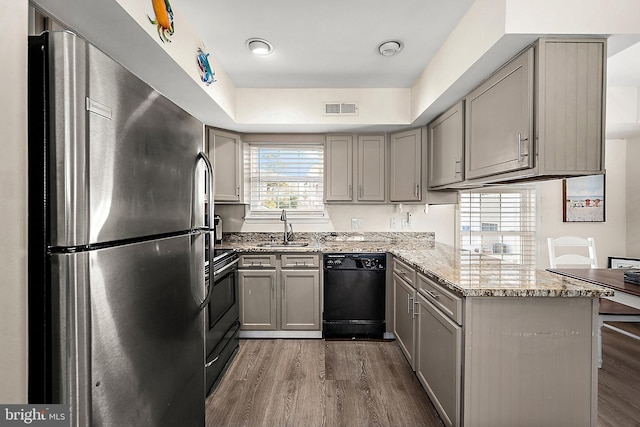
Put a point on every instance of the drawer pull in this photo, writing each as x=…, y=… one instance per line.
x=433, y=294
x=415, y=312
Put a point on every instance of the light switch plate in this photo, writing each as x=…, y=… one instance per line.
x=395, y=223
x=356, y=222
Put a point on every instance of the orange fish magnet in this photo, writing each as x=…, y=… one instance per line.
x=164, y=19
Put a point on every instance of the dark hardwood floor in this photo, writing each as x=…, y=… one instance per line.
x=320, y=383
x=619, y=378
x=367, y=383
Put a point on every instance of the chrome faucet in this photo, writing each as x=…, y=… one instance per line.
x=288, y=230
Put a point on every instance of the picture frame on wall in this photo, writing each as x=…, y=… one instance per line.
x=623, y=262
x=583, y=199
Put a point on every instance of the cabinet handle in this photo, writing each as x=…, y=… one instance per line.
x=408, y=303
x=456, y=167
x=415, y=312
x=273, y=287
x=418, y=190
x=411, y=302
x=360, y=191
x=238, y=191
x=432, y=294
x=521, y=155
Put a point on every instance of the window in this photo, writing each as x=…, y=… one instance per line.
x=285, y=176
x=500, y=222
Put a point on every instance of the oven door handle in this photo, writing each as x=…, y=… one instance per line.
x=211, y=285
x=225, y=268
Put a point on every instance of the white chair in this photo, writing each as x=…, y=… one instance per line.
x=573, y=260
x=608, y=311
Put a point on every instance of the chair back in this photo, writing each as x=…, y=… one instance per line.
x=572, y=259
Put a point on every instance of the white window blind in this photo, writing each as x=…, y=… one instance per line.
x=500, y=222
x=285, y=176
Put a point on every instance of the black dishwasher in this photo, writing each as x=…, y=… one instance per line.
x=354, y=295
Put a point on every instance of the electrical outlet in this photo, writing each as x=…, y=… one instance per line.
x=406, y=223
x=394, y=224
x=356, y=222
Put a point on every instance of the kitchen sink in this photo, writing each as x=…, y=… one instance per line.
x=282, y=244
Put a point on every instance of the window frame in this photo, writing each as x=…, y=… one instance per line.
x=297, y=215
x=527, y=211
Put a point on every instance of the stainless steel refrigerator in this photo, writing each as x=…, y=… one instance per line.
x=118, y=240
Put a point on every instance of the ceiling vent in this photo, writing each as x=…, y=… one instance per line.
x=340, y=109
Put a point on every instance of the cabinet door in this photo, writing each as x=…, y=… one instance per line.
x=446, y=147
x=339, y=168
x=439, y=360
x=300, y=300
x=226, y=151
x=257, y=299
x=570, y=88
x=403, y=314
x=499, y=121
x=405, y=182
x=371, y=165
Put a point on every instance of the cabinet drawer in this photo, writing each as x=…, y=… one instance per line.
x=449, y=303
x=403, y=270
x=257, y=260
x=300, y=260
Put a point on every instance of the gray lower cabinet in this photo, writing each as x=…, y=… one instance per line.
x=279, y=292
x=498, y=361
x=439, y=360
x=300, y=300
x=404, y=299
x=258, y=299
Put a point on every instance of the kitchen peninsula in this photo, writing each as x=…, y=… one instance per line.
x=517, y=344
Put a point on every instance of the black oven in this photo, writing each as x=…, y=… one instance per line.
x=222, y=316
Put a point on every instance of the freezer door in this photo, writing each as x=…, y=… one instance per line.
x=131, y=346
x=123, y=158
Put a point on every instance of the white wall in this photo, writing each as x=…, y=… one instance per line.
x=610, y=236
x=439, y=219
x=13, y=209
x=633, y=198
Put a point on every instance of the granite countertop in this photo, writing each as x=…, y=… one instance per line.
x=465, y=273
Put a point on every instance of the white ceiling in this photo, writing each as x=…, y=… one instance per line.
x=320, y=44
x=326, y=44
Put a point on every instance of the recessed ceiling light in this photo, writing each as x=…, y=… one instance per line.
x=390, y=47
x=259, y=46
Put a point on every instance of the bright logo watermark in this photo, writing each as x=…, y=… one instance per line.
x=37, y=415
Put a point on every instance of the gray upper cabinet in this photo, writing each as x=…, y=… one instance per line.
x=499, y=121
x=559, y=83
x=405, y=164
x=371, y=168
x=225, y=150
x=570, y=114
x=362, y=180
x=339, y=168
x=446, y=147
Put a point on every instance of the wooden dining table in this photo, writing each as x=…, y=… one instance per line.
x=622, y=307
x=612, y=278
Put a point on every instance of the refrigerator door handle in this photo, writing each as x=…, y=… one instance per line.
x=209, y=189
x=206, y=227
